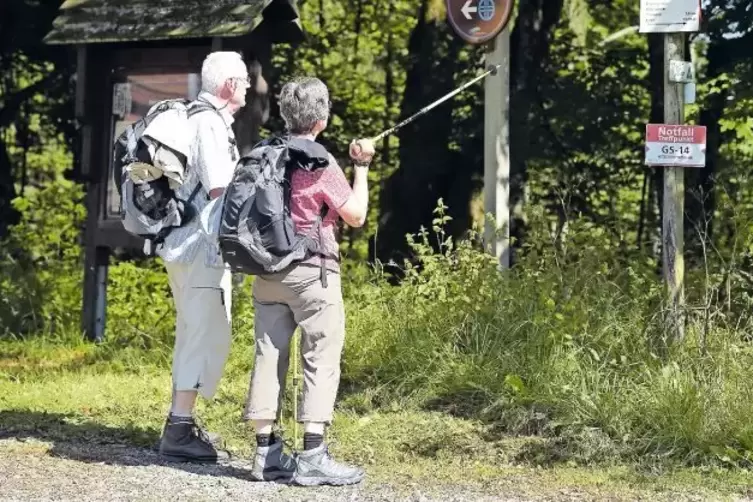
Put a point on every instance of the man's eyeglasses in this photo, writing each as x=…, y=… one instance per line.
x=243, y=80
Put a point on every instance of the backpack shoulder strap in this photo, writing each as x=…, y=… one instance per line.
x=200, y=105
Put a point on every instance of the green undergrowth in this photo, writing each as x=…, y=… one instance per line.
x=567, y=347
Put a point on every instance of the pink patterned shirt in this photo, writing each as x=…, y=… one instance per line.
x=309, y=192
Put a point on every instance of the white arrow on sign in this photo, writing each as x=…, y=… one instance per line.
x=467, y=9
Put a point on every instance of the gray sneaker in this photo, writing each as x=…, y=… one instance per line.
x=272, y=464
x=316, y=467
x=185, y=441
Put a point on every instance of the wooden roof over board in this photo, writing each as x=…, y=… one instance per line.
x=101, y=21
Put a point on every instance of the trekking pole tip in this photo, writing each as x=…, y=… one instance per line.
x=493, y=68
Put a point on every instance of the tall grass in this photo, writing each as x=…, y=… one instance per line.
x=565, y=344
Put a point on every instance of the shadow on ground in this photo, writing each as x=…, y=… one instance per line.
x=84, y=440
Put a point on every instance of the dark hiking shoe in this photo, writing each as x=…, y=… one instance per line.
x=185, y=441
x=316, y=467
x=272, y=464
x=214, y=438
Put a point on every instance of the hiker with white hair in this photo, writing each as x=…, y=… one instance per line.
x=199, y=279
x=303, y=289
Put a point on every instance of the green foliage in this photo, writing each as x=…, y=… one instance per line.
x=41, y=265
x=365, y=75
x=140, y=308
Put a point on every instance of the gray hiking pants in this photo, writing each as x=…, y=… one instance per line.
x=283, y=301
x=203, y=303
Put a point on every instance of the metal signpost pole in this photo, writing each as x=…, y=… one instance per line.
x=484, y=22
x=497, y=151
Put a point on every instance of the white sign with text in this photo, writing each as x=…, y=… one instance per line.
x=675, y=145
x=670, y=16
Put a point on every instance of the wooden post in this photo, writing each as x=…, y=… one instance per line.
x=674, y=198
x=497, y=150
x=94, y=298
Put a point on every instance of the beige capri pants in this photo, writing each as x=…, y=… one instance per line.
x=203, y=302
x=283, y=301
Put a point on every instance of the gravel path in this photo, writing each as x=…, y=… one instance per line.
x=33, y=470
x=40, y=471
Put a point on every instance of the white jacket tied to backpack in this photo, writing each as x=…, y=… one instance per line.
x=169, y=128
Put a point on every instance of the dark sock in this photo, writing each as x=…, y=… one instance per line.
x=263, y=440
x=311, y=440
x=179, y=419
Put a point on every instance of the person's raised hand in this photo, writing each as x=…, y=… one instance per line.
x=362, y=151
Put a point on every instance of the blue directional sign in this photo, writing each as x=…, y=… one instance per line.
x=486, y=10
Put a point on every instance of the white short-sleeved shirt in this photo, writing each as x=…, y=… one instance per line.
x=211, y=161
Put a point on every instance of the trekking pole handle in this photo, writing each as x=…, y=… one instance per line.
x=355, y=148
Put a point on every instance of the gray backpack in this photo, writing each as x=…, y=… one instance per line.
x=149, y=206
x=257, y=234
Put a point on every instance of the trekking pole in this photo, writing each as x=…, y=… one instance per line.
x=296, y=354
x=492, y=70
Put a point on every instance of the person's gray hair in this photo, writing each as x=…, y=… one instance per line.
x=303, y=102
x=218, y=67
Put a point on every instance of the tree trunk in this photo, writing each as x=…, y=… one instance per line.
x=254, y=115
x=426, y=161
x=700, y=183
x=529, y=50
x=8, y=215
x=389, y=92
x=656, y=84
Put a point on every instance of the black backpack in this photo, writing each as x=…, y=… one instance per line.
x=151, y=210
x=257, y=234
